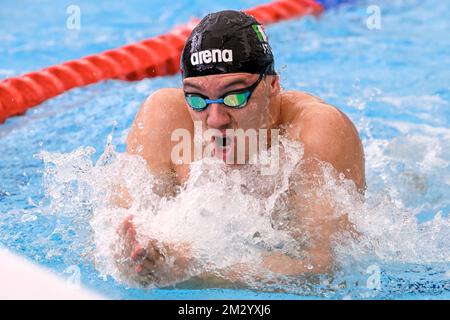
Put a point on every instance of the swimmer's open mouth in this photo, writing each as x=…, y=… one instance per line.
x=222, y=141
x=223, y=146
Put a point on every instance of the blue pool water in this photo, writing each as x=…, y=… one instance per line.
x=394, y=83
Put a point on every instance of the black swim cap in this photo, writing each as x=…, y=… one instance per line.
x=227, y=42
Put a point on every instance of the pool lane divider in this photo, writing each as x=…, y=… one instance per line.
x=158, y=56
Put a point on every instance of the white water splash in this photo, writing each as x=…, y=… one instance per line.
x=226, y=214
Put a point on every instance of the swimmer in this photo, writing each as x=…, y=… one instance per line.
x=228, y=83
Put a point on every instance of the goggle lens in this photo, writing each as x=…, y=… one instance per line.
x=196, y=102
x=236, y=100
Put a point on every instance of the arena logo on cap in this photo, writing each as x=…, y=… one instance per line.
x=211, y=56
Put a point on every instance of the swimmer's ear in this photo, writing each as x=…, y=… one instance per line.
x=274, y=85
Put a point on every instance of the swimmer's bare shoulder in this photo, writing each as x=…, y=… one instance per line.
x=327, y=136
x=150, y=135
x=327, y=133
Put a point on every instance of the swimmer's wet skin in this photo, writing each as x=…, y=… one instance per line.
x=229, y=82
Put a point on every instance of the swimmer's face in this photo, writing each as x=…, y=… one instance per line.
x=256, y=114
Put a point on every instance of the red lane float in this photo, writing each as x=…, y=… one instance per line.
x=154, y=57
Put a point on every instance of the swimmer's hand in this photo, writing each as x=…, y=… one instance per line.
x=155, y=264
x=160, y=264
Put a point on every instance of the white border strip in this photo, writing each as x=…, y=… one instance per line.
x=21, y=279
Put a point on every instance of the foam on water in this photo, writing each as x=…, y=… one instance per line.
x=227, y=215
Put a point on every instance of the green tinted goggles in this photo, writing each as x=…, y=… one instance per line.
x=235, y=99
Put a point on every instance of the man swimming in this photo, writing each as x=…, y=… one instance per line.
x=229, y=83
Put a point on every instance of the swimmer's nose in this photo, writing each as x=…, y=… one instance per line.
x=218, y=116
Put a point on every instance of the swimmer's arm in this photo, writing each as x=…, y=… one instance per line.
x=328, y=136
x=150, y=133
x=160, y=263
x=317, y=222
x=312, y=222
x=150, y=138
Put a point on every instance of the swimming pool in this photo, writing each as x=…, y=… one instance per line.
x=394, y=84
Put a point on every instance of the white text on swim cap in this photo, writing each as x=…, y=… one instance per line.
x=214, y=55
